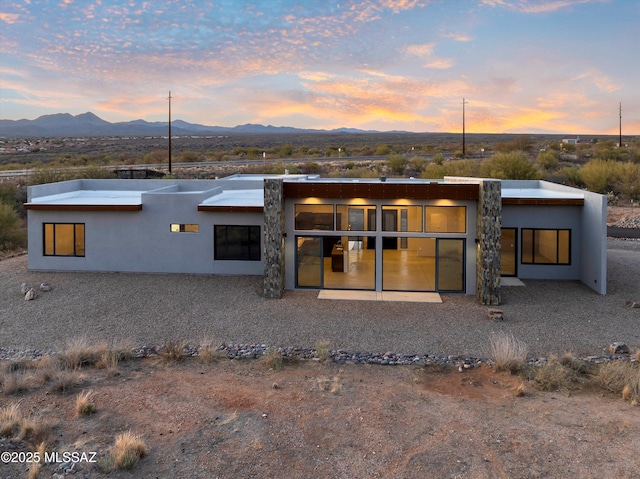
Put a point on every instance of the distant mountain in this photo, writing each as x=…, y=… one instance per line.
x=88, y=124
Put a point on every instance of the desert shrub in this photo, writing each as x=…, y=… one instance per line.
x=397, y=164
x=558, y=373
x=509, y=166
x=382, y=150
x=84, y=404
x=62, y=381
x=322, y=350
x=190, y=157
x=462, y=168
x=628, y=182
x=600, y=176
x=15, y=382
x=620, y=377
x=96, y=172
x=43, y=175
x=127, y=450
x=508, y=352
x=547, y=159
x=10, y=419
x=12, y=235
x=172, y=351
x=79, y=352
x=434, y=171
x=208, y=351
x=273, y=359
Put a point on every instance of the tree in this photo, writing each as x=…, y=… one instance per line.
x=509, y=166
x=12, y=236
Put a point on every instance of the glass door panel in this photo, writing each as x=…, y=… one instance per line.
x=309, y=261
x=410, y=269
x=450, y=265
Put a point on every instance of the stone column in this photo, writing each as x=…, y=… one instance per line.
x=488, y=233
x=273, y=254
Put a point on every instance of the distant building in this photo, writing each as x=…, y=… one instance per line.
x=571, y=140
x=456, y=235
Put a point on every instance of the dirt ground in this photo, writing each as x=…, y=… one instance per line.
x=616, y=214
x=232, y=419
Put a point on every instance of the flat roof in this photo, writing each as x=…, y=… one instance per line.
x=253, y=197
x=539, y=193
x=92, y=197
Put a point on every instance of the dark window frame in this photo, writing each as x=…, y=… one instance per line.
x=224, y=250
x=532, y=252
x=75, y=254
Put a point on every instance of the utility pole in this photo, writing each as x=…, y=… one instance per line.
x=464, y=146
x=620, y=139
x=169, y=131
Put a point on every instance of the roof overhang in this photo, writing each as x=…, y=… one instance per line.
x=418, y=191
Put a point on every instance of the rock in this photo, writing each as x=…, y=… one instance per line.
x=24, y=287
x=495, y=314
x=31, y=294
x=618, y=348
x=45, y=287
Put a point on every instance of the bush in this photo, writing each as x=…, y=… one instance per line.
x=12, y=235
x=397, y=164
x=508, y=352
x=600, y=176
x=509, y=166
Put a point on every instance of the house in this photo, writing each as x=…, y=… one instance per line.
x=456, y=235
x=570, y=140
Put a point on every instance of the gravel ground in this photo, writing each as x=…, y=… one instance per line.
x=148, y=309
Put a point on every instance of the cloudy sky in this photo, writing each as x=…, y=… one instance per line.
x=523, y=66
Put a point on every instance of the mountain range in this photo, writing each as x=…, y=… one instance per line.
x=89, y=124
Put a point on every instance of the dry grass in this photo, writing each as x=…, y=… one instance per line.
x=16, y=382
x=10, y=419
x=80, y=352
x=508, y=352
x=332, y=385
x=273, y=359
x=208, y=352
x=128, y=449
x=84, y=404
x=322, y=350
x=172, y=351
x=64, y=380
x=620, y=377
x=34, y=430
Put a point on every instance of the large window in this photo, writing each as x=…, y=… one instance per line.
x=356, y=217
x=63, y=239
x=446, y=219
x=314, y=217
x=402, y=218
x=546, y=246
x=239, y=243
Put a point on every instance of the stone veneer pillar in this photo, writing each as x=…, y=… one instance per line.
x=273, y=254
x=488, y=235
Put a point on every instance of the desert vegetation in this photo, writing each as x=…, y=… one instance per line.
x=39, y=429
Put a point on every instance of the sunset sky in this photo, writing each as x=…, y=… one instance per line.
x=523, y=66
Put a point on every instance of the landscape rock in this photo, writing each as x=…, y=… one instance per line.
x=30, y=295
x=495, y=314
x=45, y=287
x=24, y=287
x=618, y=348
